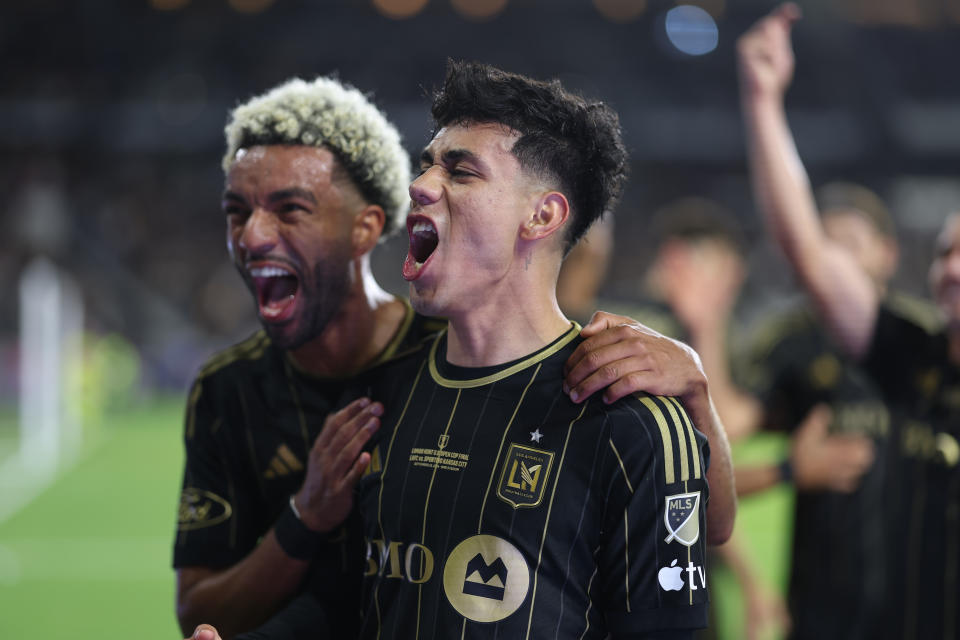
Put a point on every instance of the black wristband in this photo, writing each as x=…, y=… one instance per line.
x=295, y=538
x=785, y=469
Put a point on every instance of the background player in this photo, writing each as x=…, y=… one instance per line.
x=915, y=367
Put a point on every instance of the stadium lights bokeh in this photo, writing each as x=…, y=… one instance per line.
x=399, y=9
x=691, y=30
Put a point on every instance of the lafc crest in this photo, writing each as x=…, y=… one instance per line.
x=523, y=475
x=681, y=514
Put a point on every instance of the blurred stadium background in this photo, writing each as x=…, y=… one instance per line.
x=112, y=260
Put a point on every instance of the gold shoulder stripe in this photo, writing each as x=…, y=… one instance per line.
x=681, y=438
x=250, y=349
x=254, y=344
x=694, y=449
x=922, y=312
x=648, y=402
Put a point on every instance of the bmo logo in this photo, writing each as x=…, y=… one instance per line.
x=486, y=578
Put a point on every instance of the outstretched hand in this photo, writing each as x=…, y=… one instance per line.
x=623, y=356
x=336, y=462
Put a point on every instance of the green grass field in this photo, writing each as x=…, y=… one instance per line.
x=89, y=557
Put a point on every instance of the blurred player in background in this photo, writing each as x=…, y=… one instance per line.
x=915, y=368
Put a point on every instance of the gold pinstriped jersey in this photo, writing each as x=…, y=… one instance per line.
x=496, y=507
x=251, y=419
x=910, y=360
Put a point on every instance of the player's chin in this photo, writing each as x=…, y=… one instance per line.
x=424, y=301
x=284, y=335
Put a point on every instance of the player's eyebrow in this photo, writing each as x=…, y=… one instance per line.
x=232, y=196
x=452, y=156
x=292, y=192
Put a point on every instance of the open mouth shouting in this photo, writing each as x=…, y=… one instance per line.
x=423, y=242
x=276, y=288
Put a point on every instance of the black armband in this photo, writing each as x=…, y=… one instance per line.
x=296, y=539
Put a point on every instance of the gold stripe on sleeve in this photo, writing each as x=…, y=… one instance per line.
x=695, y=450
x=681, y=438
x=669, y=474
x=626, y=477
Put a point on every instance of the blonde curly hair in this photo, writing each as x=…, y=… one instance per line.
x=327, y=113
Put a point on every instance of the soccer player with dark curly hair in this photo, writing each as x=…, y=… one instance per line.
x=492, y=503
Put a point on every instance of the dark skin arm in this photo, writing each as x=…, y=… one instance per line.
x=245, y=595
x=620, y=356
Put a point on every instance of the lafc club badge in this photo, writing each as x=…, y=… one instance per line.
x=681, y=514
x=523, y=476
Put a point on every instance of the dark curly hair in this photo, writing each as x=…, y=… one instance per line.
x=563, y=137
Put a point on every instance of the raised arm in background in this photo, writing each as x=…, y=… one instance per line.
x=842, y=292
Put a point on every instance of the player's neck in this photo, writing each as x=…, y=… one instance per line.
x=363, y=327
x=496, y=332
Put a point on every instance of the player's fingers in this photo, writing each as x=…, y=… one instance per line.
x=342, y=446
x=634, y=382
x=205, y=632
x=356, y=471
x=855, y=451
x=606, y=371
x=602, y=320
x=814, y=425
x=345, y=455
x=608, y=348
x=335, y=421
x=604, y=338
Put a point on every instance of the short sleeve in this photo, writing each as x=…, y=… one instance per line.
x=651, y=564
x=207, y=530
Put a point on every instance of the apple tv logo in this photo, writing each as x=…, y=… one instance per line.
x=671, y=578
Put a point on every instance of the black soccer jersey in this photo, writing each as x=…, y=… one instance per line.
x=838, y=579
x=251, y=419
x=496, y=507
x=917, y=379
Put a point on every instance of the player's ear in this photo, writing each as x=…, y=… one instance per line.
x=367, y=227
x=549, y=214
